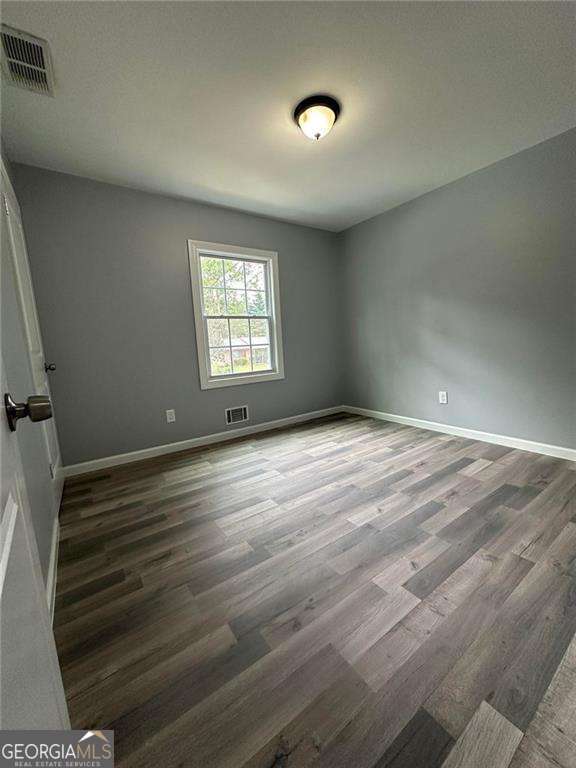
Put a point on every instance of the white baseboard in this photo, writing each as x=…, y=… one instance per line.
x=512, y=442
x=219, y=437
x=52, y=568
x=195, y=442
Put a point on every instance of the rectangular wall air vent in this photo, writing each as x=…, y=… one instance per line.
x=26, y=61
x=234, y=415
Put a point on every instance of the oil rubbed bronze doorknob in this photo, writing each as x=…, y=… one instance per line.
x=37, y=408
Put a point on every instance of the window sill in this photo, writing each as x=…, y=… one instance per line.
x=236, y=381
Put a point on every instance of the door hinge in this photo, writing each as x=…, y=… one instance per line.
x=6, y=209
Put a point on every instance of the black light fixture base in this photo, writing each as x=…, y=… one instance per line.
x=319, y=100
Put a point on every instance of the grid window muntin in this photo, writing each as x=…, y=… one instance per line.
x=270, y=351
x=229, y=317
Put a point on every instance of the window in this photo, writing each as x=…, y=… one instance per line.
x=237, y=314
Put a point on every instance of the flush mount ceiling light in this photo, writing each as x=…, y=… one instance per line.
x=316, y=115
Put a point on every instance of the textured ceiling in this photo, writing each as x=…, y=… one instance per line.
x=194, y=99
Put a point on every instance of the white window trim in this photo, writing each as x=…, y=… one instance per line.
x=196, y=248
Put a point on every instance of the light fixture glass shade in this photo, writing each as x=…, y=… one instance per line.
x=316, y=121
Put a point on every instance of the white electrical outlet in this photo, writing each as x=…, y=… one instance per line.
x=171, y=416
x=442, y=397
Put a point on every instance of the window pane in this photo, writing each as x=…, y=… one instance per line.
x=214, y=301
x=236, y=301
x=256, y=303
x=220, y=362
x=239, y=333
x=212, y=272
x=218, y=333
x=241, y=360
x=255, y=276
x=259, y=331
x=261, y=358
x=234, y=271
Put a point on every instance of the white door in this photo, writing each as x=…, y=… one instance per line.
x=31, y=326
x=31, y=691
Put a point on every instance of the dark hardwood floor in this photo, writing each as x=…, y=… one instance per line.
x=348, y=593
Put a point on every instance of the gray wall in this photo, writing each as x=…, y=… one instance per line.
x=111, y=276
x=471, y=288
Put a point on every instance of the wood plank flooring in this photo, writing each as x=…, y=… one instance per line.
x=347, y=593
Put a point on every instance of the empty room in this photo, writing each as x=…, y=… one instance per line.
x=288, y=362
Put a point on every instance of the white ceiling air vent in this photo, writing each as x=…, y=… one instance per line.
x=239, y=413
x=26, y=61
